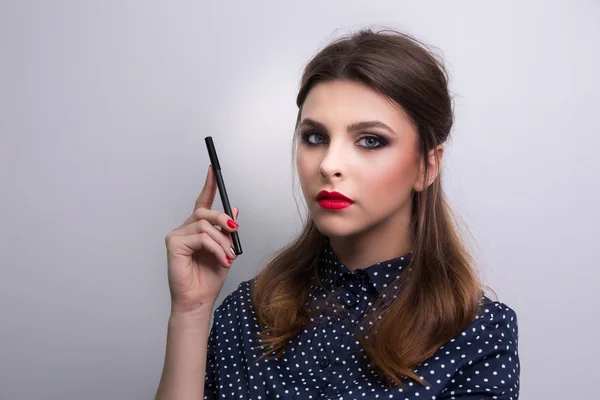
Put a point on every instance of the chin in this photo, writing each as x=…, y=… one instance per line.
x=333, y=226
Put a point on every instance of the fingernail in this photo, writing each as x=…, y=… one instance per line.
x=232, y=251
x=228, y=260
x=231, y=223
x=237, y=213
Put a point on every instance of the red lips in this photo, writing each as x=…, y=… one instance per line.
x=325, y=195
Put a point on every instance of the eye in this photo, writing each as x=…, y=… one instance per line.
x=318, y=138
x=372, y=142
x=369, y=142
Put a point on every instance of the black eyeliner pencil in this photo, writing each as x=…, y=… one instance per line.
x=214, y=161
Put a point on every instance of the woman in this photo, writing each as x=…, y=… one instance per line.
x=377, y=297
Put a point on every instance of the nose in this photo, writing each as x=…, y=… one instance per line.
x=333, y=162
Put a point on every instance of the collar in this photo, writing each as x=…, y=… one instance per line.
x=379, y=274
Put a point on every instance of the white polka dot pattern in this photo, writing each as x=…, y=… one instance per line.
x=326, y=362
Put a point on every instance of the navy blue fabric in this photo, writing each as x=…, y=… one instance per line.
x=325, y=361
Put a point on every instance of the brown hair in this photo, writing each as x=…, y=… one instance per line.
x=440, y=290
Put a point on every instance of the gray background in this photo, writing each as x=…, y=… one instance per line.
x=103, y=110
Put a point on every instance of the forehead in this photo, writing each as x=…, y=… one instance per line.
x=340, y=103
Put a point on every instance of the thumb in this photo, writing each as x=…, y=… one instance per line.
x=207, y=195
x=236, y=211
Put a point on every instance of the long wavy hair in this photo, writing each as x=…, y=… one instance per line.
x=439, y=292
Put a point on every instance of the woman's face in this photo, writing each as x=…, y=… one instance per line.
x=375, y=167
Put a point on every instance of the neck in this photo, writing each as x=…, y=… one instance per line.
x=389, y=239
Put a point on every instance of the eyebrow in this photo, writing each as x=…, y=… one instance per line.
x=356, y=126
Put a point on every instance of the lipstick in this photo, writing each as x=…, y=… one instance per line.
x=333, y=200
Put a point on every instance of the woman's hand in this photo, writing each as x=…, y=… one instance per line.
x=200, y=254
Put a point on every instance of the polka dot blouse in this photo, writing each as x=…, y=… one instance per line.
x=326, y=362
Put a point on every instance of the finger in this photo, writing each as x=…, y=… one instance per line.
x=215, y=217
x=190, y=244
x=207, y=195
x=236, y=212
x=204, y=226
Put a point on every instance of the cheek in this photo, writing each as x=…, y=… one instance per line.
x=304, y=167
x=300, y=165
x=391, y=181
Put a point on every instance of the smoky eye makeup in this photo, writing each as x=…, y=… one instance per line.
x=370, y=141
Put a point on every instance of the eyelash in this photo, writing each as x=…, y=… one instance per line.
x=382, y=142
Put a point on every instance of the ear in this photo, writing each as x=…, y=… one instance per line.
x=434, y=168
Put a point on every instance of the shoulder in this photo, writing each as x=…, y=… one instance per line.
x=494, y=329
x=496, y=316
x=238, y=301
x=485, y=354
x=234, y=323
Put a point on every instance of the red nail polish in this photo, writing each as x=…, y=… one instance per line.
x=228, y=260
x=231, y=223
